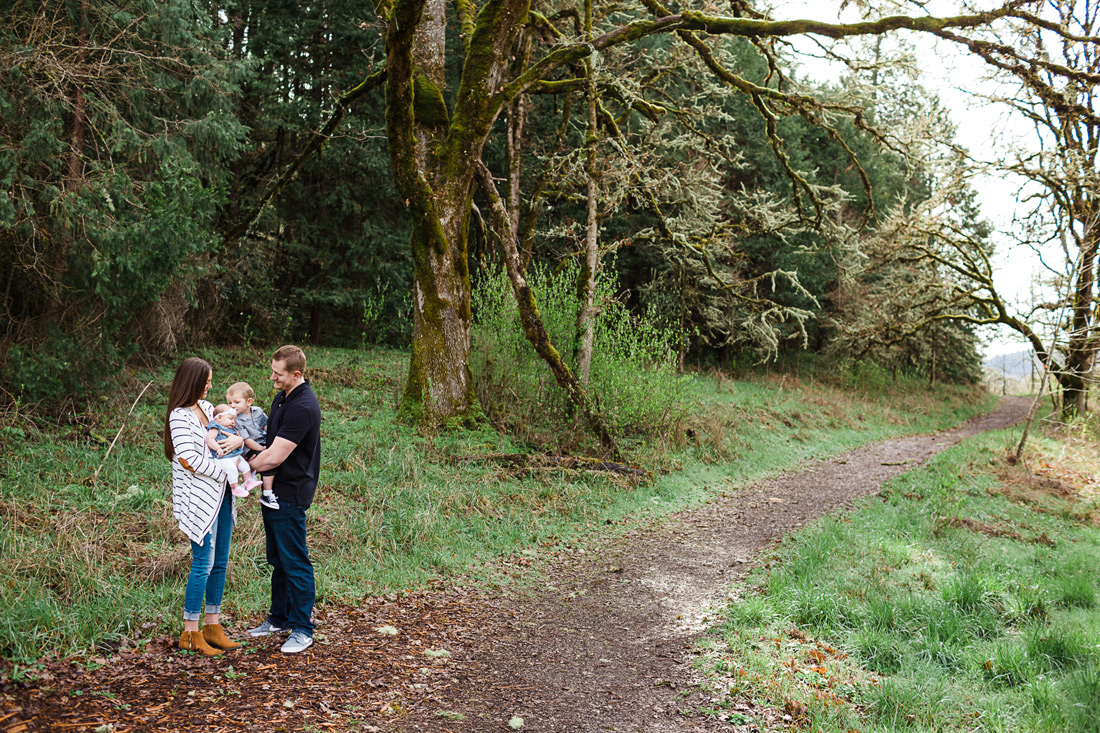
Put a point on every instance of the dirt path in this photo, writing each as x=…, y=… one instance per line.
x=601, y=646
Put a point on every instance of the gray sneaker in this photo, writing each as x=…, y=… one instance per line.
x=265, y=629
x=298, y=641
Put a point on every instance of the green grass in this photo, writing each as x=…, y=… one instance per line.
x=88, y=561
x=963, y=598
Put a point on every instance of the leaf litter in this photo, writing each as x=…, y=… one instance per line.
x=356, y=674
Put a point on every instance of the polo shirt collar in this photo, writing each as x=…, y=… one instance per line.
x=294, y=392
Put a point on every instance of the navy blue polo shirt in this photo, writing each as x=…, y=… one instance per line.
x=296, y=417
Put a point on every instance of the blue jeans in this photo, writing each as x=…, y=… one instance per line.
x=208, y=563
x=292, y=585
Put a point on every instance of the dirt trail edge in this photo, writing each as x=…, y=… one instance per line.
x=603, y=645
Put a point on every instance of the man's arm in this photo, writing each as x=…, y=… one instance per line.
x=273, y=456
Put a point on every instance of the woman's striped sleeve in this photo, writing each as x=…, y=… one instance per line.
x=184, y=441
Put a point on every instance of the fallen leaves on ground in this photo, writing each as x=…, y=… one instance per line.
x=353, y=678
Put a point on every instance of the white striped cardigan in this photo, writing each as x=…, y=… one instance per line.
x=198, y=484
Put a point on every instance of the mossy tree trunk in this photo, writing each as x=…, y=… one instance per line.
x=439, y=386
x=586, y=285
x=1082, y=343
x=515, y=134
x=1057, y=94
x=432, y=154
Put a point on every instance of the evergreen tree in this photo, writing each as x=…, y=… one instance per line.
x=113, y=151
x=329, y=260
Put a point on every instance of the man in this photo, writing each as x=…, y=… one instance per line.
x=293, y=457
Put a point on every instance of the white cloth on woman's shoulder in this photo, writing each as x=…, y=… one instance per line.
x=198, y=483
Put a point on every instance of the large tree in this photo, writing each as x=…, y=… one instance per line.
x=1062, y=106
x=934, y=259
x=435, y=150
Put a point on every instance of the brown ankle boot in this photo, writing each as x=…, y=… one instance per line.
x=215, y=637
x=193, y=641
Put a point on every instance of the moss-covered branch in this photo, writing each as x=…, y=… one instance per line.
x=533, y=327
x=752, y=28
x=746, y=27
x=1007, y=59
x=476, y=107
x=467, y=20
x=808, y=107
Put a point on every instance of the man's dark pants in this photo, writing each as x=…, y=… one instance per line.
x=292, y=586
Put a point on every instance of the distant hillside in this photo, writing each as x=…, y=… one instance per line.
x=1019, y=364
x=1012, y=373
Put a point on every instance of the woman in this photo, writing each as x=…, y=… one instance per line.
x=202, y=504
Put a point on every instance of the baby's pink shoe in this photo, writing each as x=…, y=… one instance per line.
x=238, y=491
x=249, y=485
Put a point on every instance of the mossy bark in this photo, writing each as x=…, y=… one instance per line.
x=1082, y=344
x=432, y=154
x=586, y=281
x=439, y=388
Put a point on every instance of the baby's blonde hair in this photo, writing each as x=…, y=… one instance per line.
x=219, y=409
x=242, y=388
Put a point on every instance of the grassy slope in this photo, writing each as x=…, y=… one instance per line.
x=963, y=599
x=88, y=561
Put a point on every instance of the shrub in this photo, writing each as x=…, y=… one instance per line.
x=62, y=368
x=633, y=379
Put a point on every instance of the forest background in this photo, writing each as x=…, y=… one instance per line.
x=562, y=227
x=136, y=135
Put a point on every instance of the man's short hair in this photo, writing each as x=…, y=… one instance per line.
x=292, y=356
x=244, y=389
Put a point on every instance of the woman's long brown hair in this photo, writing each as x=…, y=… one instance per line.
x=186, y=389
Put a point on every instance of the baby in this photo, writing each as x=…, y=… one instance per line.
x=252, y=426
x=233, y=462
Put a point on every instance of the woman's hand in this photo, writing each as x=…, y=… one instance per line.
x=230, y=443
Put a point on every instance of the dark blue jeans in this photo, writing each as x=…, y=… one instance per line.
x=292, y=586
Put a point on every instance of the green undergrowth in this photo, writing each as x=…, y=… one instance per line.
x=92, y=556
x=965, y=597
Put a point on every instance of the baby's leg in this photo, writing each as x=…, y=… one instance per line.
x=247, y=476
x=244, y=468
x=230, y=466
x=267, y=498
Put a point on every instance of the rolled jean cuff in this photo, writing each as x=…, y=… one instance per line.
x=213, y=609
x=188, y=616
